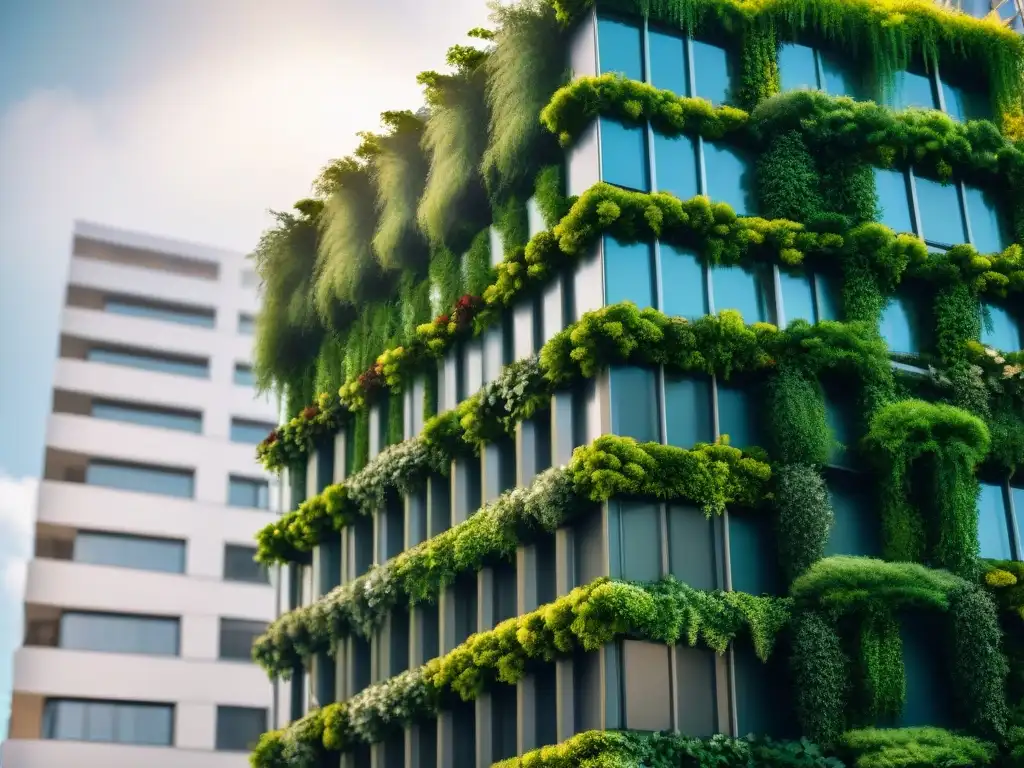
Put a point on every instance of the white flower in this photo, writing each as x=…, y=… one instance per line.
x=991, y=352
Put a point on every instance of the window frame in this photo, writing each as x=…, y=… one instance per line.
x=237, y=548
x=49, y=720
x=131, y=537
x=175, y=620
x=258, y=485
x=1006, y=486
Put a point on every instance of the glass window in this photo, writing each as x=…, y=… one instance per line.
x=628, y=273
x=139, y=478
x=202, y=318
x=912, y=90
x=838, y=76
x=246, y=324
x=737, y=416
x=745, y=291
x=988, y=227
x=841, y=412
x=857, y=529
x=634, y=400
x=108, y=721
x=993, y=527
x=1000, y=329
x=552, y=310
x=712, y=72
x=753, y=553
x=472, y=368
x=147, y=416
x=116, y=633
x=244, y=377
x=675, y=165
x=965, y=104
x=893, y=199
x=246, y=431
x=245, y=492
x=147, y=554
x=620, y=48
x=494, y=352
x=239, y=728
x=798, y=67
x=1017, y=498
x=240, y=565
x=691, y=547
x=797, y=296
x=668, y=62
x=638, y=542
x=688, y=414
x=939, y=206
x=929, y=699
x=901, y=327
x=683, y=283
x=829, y=295
x=181, y=366
x=237, y=637
x=730, y=178
x=624, y=155
x=249, y=278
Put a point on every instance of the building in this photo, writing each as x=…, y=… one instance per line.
x=142, y=597
x=515, y=520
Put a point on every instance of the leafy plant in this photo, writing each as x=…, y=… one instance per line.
x=915, y=748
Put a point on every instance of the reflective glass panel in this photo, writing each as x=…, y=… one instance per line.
x=619, y=48
x=628, y=273
x=753, y=554
x=829, y=295
x=841, y=413
x=240, y=565
x=150, y=362
x=730, y=178
x=965, y=104
x=624, y=155
x=246, y=324
x=244, y=377
x=993, y=527
x=243, y=492
x=108, y=721
x=737, y=417
x=797, y=67
x=253, y=432
x=668, y=62
x=675, y=165
x=118, y=633
x=857, y=528
x=712, y=72
x=797, y=296
x=634, y=401
x=149, y=417
x=202, y=318
x=912, y=90
x=838, y=76
x=688, y=414
x=939, y=207
x=1000, y=329
x=1017, y=497
x=132, y=477
x=900, y=327
x=684, y=286
x=742, y=290
x=893, y=199
x=988, y=227
x=239, y=728
x=165, y=555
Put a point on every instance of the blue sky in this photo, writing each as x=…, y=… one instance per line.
x=181, y=118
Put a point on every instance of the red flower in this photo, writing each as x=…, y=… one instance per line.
x=310, y=412
x=273, y=437
x=442, y=320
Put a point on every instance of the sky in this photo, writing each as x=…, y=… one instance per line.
x=186, y=119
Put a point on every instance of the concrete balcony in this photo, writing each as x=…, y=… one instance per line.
x=31, y=753
x=140, y=281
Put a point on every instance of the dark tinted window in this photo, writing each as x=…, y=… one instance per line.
x=147, y=554
x=150, y=361
x=140, y=478
x=620, y=48
x=244, y=376
x=157, y=311
x=240, y=565
x=243, y=492
x=239, y=728
x=246, y=324
x=108, y=721
x=237, y=637
x=119, y=633
x=186, y=421
x=245, y=431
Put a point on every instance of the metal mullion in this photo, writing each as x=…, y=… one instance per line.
x=819, y=69
x=1011, y=512
x=915, y=212
x=961, y=196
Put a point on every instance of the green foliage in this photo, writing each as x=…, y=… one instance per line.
x=788, y=180
x=759, y=66
x=928, y=452
x=805, y=517
x=478, y=263
x=795, y=408
x=915, y=748
x=550, y=194
x=820, y=676
x=881, y=664
x=445, y=278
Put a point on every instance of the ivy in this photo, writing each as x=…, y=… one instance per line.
x=805, y=517
x=820, y=676
x=914, y=748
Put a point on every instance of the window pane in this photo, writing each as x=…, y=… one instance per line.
x=912, y=90
x=628, y=273
x=737, y=417
x=244, y=376
x=797, y=67
x=246, y=324
x=939, y=206
x=893, y=199
x=829, y=297
x=253, y=432
x=164, y=555
x=237, y=637
x=240, y=565
x=132, y=477
x=857, y=529
x=742, y=290
x=928, y=696
x=145, y=724
x=1000, y=329
x=797, y=296
x=684, y=287
x=239, y=728
x=1017, y=497
x=691, y=547
x=619, y=48
x=753, y=554
x=712, y=72
x=838, y=76
x=634, y=398
x=841, y=412
x=243, y=492
x=900, y=327
x=988, y=227
x=150, y=417
x=108, y=721
x=668, y=62
x=965, y=104
x=993, y=529
x=675, y=165
x=101, y=723
x=472, y=368
x=202, y=318
x=688, y=414
x=730, y=178
x=638, y=542
x=624, y=155
x=494, y=352
x=64, y=720
x=119, y=634
x=197, y=369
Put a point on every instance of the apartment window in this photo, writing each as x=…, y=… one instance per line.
x=670, y=55
x=688, y=411
x=240, y=565
x=140, y=478
x=620, y=48
x=249, y=278
x=902, y=326
x=151, y=310
x=810, y=296
x=237, y=637
x=624, y=155
x=629, y=273
x=246, y=492
x=738, y=416
x=246, y=324
x=965, y=101
x=246, y=431
x=119, y=633
x=730, y=178
x=195, y=368
x=684, y=283
x=807, y=67
x=239, y=728
x=913, y=88
x=994, y=521
x=988, y=225
x=125, y=551
x=676, y=165
x=244, y=377
x=116, y=722
x=148, y=416
x=746, y=291
x=634, y=402
x=857, y=528
x=1001, y=328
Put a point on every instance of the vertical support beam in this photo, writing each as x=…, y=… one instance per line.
x=564, y=689
x=526, y=690
x=484, y=705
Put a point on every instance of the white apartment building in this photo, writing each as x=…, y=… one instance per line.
x=142, y=599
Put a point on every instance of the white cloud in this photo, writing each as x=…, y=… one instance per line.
x=17, y=523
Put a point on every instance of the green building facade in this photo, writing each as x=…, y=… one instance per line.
x=657, y=393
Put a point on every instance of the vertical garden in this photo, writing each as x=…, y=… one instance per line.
x=655, y=396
